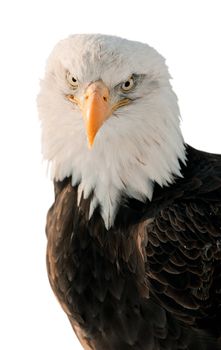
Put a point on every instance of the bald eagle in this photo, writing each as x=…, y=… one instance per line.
x=134, y=233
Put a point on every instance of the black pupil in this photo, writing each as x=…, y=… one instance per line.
x=74, y=80
x=127, y=83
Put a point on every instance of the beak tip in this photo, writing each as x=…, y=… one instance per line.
x=90, y=143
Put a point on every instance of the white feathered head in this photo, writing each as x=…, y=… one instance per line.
x=110, y=120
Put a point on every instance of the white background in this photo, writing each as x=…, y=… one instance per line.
x=186, y=32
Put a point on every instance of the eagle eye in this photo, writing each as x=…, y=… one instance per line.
x=72, y=80
x=128, y=84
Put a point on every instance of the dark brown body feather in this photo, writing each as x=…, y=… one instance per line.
x=153, y=281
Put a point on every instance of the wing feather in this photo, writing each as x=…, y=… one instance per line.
x=184, y=244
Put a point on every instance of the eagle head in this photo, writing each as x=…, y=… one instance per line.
x=110, y=120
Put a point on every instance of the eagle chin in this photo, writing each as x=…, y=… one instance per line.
x=134, y=233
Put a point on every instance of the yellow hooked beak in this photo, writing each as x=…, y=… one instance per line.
x=96, y=107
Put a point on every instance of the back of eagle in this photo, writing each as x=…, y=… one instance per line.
x=152, y=281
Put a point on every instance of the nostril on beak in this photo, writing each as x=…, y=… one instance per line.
x=105, y=98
